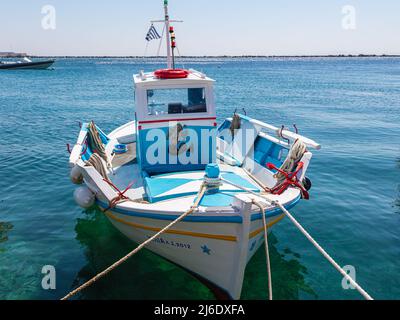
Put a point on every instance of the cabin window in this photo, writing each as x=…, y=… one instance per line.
x=176, y=101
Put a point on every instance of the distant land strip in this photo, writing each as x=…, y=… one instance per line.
x=221, y=56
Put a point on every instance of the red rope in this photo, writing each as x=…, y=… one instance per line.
x=290, y=180
x=121, y=194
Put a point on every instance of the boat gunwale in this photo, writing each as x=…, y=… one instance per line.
x=255, y=215
x=26, y=65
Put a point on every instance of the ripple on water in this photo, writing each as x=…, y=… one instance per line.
x=349, y=105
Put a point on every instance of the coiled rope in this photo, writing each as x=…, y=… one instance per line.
x=95, y=141
x=262, y=210
x=295, y=154
x=196, y=203
x=97, y=162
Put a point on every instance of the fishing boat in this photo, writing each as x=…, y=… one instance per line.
x=26, y=64
x=174, y=158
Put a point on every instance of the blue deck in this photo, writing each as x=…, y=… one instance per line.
x=175, y=185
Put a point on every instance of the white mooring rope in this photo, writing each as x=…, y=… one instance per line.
x=308, y=236
x=196, y=203
x=323, y=252
x=262, y=210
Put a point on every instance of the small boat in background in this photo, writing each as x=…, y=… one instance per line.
x=26, y=64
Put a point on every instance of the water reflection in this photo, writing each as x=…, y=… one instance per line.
x=144, y=276
x=5, y=227
x=287, y=275
x=397, y=200
x=148, y=276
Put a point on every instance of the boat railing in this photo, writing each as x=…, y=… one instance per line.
x=282, y=133
x=286, y=134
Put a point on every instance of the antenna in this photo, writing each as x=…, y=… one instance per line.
x=168, y=33
x=169, y=58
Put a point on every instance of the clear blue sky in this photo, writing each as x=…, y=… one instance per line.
x=212, y=27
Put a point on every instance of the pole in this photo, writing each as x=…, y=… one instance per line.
x=169, y=57
x=173, y=45
x=262, y=210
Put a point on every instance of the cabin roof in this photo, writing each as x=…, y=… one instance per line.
x=149, y=80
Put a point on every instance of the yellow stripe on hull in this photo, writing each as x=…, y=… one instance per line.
x=192, y=234
x=270, y=224
x=180, y=232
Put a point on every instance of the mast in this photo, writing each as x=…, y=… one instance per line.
x=169, y=56
x=169, y=34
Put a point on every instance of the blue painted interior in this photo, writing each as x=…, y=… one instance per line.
x=156, y=186
x=219, y=199
x=267, y=151
x=264, y=150
x=88, y=151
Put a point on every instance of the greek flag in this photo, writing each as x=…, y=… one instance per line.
x=152, y=34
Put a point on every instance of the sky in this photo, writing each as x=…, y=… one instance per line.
x=211, y=27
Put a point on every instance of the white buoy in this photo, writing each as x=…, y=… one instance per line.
x=84, y=197
x=76, y=175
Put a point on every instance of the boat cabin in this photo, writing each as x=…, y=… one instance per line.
x=175, y=121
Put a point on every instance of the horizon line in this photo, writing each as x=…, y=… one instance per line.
x=19, y=55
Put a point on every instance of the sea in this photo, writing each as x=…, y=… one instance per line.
x=350, y=105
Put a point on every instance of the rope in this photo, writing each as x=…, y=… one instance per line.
x=266, y=247
x=294, y=156
x=196, y=203
x=308, y=236
x=95, y=141
x=242, y=188
x=97, y=162
x=256, y=180
x=323, y=252
x=180, y=57
x=161, y=40
x=145, y=50
x=121, y=197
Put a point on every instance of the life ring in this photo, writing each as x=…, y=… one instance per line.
x=171, y=73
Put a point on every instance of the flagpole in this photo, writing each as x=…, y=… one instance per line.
x=169, y=57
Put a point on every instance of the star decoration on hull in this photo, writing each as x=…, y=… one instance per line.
x=206, y=250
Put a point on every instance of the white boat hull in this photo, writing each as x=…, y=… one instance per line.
x=210, y=250
x=215, y=242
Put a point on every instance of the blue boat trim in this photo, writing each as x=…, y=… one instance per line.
x=157, y=216
x=276, y=211
x=229, y=219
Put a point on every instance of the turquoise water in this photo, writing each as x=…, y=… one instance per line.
x=350, y=105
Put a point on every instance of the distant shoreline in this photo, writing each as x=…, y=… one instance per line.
x=221, y=56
